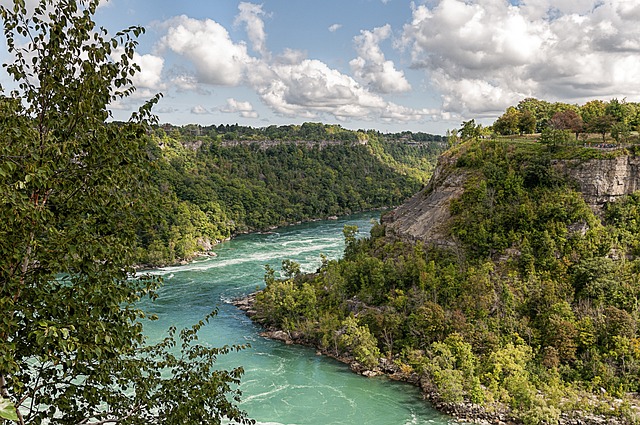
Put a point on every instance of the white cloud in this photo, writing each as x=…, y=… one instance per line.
x=165, y=110
x=199, y=110
x=395, y=113
x=250, y=15
x=182, y=80
x=335, y=27
x=538, y=9
x=147, y=81
x=484, y=55
x=310, y=89
x=245, y=109
x=185, y=82
x=149, y=77
x=371, y=66
x=150, y=74
x=290, y=84
x=133, y=101
x=290, y=56
x=207, y=44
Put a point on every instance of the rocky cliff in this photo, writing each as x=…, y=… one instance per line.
x=602, y=180
x=426, y=215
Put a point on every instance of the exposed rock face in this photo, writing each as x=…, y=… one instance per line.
x=204, y=243
x=426, y=215
x=602, y=180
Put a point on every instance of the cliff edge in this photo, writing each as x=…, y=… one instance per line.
x=426, y=216
x=601, y=181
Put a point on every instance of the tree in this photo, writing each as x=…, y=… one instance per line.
x=71, y=343
x=527, y=122
x=508, y=122
x=620, y=132
x=634, y=116
x=602, y=124
x=452, y=137
x=541, y=110
x=350, y=233
x=470, y=130
x=620, y=111
x=359, y=341
x=567, y=120
x=592, y=110
x=552, y=137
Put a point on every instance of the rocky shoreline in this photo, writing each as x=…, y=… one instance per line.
x=465, y=412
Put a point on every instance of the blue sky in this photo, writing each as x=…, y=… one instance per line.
x=390, y=65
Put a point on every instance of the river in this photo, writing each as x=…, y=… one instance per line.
x=283, y=384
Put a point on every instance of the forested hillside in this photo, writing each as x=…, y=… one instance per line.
x=214, y=182
x=532, y=306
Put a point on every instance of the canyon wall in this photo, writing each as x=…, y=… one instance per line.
x=426, y=215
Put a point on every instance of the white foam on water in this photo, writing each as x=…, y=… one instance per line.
x=271, y=423
x=266, y=394
x=271, y=255
x=413, y=420
x=342, y=395
x=314, y=241
x=226, y=422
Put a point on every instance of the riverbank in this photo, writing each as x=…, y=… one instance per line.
x=494, y=414
x=207, y=246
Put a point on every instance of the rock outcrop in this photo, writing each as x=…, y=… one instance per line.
x=426, y=215
x=602, y=180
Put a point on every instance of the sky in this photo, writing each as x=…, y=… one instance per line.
x=389, y=65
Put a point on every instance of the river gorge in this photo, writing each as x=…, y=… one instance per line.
x=283, y=384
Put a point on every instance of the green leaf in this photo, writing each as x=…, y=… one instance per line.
x=8, y=410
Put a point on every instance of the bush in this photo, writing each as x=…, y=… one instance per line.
x=360, y=342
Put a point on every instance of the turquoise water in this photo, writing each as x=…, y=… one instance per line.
x=283, y=384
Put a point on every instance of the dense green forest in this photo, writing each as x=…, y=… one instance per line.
x=528, y=310
x=211, y=186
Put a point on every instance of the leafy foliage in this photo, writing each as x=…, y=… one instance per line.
x=358, y=340
x=617, y=118
x=534, y=309
x=71, y=191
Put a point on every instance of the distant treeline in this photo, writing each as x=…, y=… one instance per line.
x=208, y=190
x=307, y=131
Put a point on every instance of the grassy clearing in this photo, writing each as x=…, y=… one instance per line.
x=588, y=147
